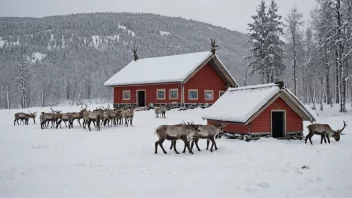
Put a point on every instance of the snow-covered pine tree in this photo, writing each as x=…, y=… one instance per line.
x=276, y=53
x=266, y=55
x=258, y=32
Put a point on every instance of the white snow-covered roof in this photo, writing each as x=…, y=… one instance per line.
x=240, y=104
x=164, y=69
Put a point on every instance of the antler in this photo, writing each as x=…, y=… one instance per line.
x=344, y=126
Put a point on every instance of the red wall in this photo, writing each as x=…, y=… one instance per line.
x=150, y=93
x=262, y=123
x=205, y=79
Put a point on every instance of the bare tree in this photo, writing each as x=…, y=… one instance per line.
x=293, y=24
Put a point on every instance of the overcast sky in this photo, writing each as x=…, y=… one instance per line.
x=233, y=14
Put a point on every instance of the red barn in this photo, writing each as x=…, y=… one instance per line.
x=260, y=110
x=195, y=78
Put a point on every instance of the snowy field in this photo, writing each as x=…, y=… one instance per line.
x=120, y=162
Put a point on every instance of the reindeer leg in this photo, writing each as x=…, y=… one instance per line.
x=160, y=142
x=175, y=147
x=89, y=125
x=79, y=122
x=213, y=144
x=310, y=139
x=196, y=142
x=184, y=138
x=208, y=141
x=321, y=139
x=327, y=137
x=172, y=144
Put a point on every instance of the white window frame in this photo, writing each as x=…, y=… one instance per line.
x=221, y=92
x=189, y=94
x=157, y=95
x=205, y=94
x=123, y=94
x=170, y=95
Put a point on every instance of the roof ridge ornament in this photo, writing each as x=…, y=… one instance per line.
x=280, y=84
x=213, y=46
x=135, y=56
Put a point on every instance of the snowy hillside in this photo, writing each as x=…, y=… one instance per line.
x=120, y=162
x=87, y=49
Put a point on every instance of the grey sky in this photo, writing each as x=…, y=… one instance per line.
x=233, y=14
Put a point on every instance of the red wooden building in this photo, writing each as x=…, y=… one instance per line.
x=269, y=109
x=194, y=78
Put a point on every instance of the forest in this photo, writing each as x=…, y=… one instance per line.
x=313, y=57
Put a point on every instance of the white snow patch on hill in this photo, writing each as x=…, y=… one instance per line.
x=121, y=27
x=96, y=41
x=114, y=37
x=164, y=33
x=2, y=42
x=76, y=162
x=125, y=29
x=37, y=56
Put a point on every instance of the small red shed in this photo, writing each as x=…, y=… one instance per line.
x=194, y=78
x=260, y=110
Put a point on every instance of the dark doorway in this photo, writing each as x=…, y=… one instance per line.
x=277, y=124
x=141, y=98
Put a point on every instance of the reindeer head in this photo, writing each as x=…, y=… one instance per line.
x=32, y=115
x=134, y=49
x=192, y=126
x=56, y=112
x=338, y=132
x=221, y=126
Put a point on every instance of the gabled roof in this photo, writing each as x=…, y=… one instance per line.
x=244, y=104
x=166, y=69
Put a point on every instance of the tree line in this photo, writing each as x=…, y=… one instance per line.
x=311, y=57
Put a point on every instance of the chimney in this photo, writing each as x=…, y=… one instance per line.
x=213, y=46
x=135, y=56
x=280, y=84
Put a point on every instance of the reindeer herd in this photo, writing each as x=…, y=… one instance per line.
x=100, y=116
x=189, y=133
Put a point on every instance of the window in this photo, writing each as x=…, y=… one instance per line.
x=220, y=93
x=126, y=95
x=209, y=94
x=160, y=94
x=193, y=94
x=173, y=94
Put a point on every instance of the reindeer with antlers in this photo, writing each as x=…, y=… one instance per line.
x=325, y=131
x=24, y=117
x=182, y=132
x=208, y=132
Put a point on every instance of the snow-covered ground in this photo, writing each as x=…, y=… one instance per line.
x=120, y=162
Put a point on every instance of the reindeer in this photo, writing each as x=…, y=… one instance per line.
x=213, y=46
x=94, y=116
x=208, y=132
x=162, y=110
x=31, y=115
x=66, y=117
x=128, y=116
x=175, y=132
x=79, y=115
x=45, y=118
x=325, y=131
x=24, y=117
